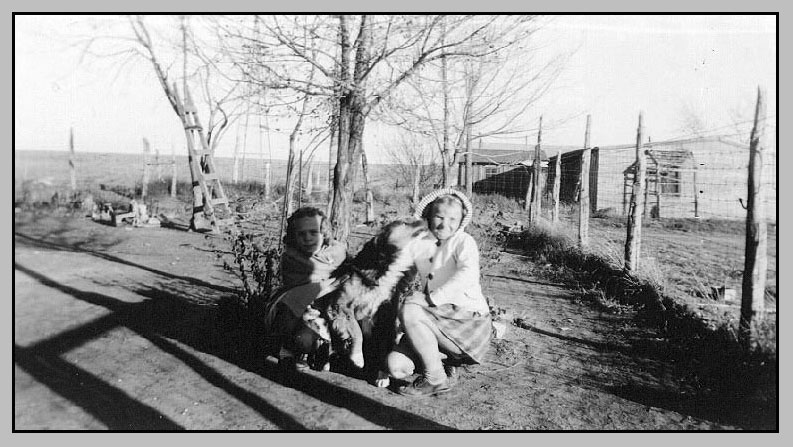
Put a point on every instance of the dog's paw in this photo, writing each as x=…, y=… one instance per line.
x=382, y=380
x=357, y=359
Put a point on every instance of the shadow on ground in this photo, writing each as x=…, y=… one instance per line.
x=165, y=316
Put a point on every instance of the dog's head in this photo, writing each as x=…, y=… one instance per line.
x=396, y=238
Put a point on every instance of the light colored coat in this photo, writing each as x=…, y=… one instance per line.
x=452, y=273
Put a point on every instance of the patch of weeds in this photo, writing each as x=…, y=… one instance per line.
x=716, y=362
x=562, y=260
x=603, y=302
x=255, y=263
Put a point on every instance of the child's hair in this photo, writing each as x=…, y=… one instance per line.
x=446, y=199
x=307, y=211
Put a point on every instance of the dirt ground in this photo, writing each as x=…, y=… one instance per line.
x=115, y=328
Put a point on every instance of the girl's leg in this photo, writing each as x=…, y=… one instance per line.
x=427, y=341
x=399, y=362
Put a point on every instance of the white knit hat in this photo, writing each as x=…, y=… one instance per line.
x=429, y=198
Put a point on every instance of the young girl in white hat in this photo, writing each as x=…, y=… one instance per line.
x=449, y=323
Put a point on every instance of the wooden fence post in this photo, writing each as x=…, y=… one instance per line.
x=72, y=169
x=235, y=167
x=755, y=261
x=416, y=184
x=583, y=197
x=634, y=237
x=535, y=207
x=159, y=165
x=300, y=179
x=529, y=191
x=173, y=172
x=146, y=162
x=556, y=185
x=309, y=180
x=267, y=180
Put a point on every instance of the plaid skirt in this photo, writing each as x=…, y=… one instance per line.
x=470, y=331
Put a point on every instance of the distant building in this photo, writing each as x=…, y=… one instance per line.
x=699, y=177
x=504, y=169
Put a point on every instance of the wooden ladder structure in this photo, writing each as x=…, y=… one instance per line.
x=208, y=194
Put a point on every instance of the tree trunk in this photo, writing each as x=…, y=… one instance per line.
x=755, y=257
x=235, y=170
x=352, y=119
x=445, y=151
x=334, y=124
x=300, y=180
x=469, y=165
x=351, y=127
x=308, y=188
x=286, y=206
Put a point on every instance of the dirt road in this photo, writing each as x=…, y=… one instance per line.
x=114, y=328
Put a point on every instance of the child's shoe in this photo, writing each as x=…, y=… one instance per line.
x=289, y=362
x=421, y=387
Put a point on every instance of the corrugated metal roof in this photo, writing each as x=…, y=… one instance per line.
x=505, y=153
x=662, y=146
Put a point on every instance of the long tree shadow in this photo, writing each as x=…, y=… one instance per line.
x=144, y=318
x=108, y=404
x=42, y=243
x=160, y=315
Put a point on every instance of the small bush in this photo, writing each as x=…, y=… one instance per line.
x=256, y=266
x=482, y=202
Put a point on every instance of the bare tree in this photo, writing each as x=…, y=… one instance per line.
x=162, y=47
x=491, y=93
x=414, y=161
x=691, y=122
x=360, y=61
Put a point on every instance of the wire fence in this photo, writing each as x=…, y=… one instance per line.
x=693, y=230
x=693, y=240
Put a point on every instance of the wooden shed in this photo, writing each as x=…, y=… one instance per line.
x=504, y=169
x=699, y=177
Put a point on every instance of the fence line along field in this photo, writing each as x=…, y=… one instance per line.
x=40, y=174
x=696, y=248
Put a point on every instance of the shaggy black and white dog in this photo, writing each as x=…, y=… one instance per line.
x=361, y=314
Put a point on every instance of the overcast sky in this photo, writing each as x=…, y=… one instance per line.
x=665, y=66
